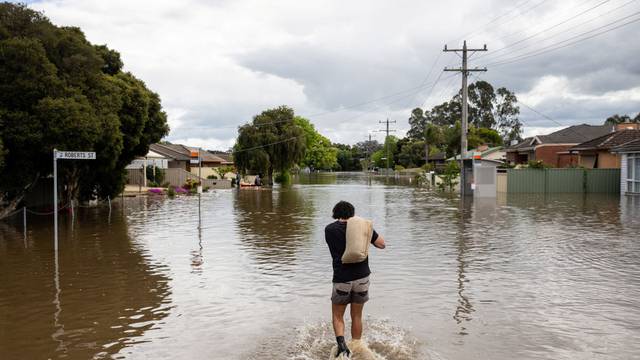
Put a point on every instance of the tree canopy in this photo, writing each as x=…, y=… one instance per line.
x=57, y=90
x=319, y=153
x=273, y=141
x=493, y=119
x=619, y=119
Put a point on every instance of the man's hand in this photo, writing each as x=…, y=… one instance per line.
x=379, y=243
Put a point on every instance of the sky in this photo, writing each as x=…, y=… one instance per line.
x=346, y=65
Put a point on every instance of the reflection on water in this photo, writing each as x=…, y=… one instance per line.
x=525, y=276
x=97, y=296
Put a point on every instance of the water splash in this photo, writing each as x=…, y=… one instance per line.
x=382, y=341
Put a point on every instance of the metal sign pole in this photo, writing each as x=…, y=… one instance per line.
x=55, y=201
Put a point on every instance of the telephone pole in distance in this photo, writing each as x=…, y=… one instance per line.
x=386, y=138
x=463, y=138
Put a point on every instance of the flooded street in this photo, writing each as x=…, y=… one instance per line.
x=523, y=277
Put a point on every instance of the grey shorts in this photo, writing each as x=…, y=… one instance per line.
x=356, y=291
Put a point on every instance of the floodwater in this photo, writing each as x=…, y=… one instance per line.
x=521, y=277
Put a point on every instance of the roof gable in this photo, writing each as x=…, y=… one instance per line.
x=609, y=141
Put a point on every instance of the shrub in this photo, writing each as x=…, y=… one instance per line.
x=399, y=168
x=191, y=184
x=449, y=176
x=532, y=164
x=159, y=178
x=283, y=178
x=212, y=176
x=171, y=191
x=206, y=189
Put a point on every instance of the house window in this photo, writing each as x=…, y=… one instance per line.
x=633, y=173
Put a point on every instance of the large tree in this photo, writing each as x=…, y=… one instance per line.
x=490, y=109
x=272, y=142
x=59, y=91
x=319, y=153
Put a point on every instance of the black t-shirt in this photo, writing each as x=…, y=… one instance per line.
x=335, y=236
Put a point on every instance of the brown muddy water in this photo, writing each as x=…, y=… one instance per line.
x=522, y=277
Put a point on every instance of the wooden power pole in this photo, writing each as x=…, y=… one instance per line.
x=463, y=137
x=386, y=139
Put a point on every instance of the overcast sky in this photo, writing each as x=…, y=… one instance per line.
x=216, y=64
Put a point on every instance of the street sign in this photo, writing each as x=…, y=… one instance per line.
x=73, y=155
x=76, y=155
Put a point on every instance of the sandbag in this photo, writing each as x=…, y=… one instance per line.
x=359, y=233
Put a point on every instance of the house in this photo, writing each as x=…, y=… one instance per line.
x=553, y=149
x=597, y=154
x=438, y=159
x=495, y=155
x=210, y=163
x=178, y=156
x=630, y=167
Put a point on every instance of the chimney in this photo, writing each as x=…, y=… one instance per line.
x=627, y=126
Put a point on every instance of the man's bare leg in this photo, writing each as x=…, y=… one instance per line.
x=338, y=318
x=356, y=321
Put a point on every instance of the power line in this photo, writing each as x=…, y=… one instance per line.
x=543, y=115
x=548, y=28
x=516, y=7
x=555, y=46
x=265, y=145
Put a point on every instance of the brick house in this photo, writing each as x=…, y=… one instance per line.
x=597, y=153
x=553, y=149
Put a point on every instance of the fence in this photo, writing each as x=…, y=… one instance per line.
x=563, y=181
x=177, y=177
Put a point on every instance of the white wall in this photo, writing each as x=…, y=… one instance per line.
x=623, y=174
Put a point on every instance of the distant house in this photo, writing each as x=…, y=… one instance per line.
x=178, y=155
x=630, y=167
x=597, y=153
x=495, y=154
x=210, y=163
x=553, y=149
x=437, y=159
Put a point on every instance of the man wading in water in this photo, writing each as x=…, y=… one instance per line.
x=350, y=281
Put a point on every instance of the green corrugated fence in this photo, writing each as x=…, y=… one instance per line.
x=563, y=181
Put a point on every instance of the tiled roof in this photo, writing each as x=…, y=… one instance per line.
x=207, y=156
x=172, y=151
x=609, y=141
x=576, y=134
x=631, y=146
x=227, y=156
x=522, y=144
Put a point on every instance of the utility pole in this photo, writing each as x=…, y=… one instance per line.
x=387, y=138
x=463, y=137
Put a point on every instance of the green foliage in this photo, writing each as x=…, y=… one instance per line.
x=191, y=184
x=620, y=119
x=399, y=168
x=319, y=154
x=377, y=158
x=449, y=176
x=271, y=142
x=212, y=176
x=171, y=192
x=59, y=91
x=539, y=164
x=159, y=177
x=356, y=157
x=224, y=170
x=283, y=178
x=488, y=109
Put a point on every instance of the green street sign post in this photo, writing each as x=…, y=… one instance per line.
x=70, y=155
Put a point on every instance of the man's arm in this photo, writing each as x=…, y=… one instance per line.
x=379, y=242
